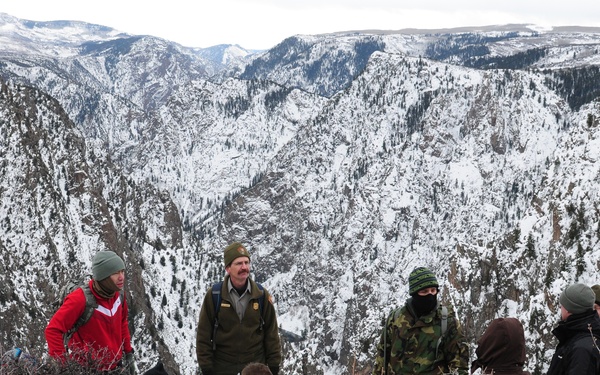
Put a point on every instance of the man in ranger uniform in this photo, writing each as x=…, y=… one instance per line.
x=237, y=322
x=422, y=337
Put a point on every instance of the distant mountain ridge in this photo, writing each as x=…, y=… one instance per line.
x=342, y=161
x=514, y=27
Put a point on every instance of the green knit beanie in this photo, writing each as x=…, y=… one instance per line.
x=105, y=263
x=235, y=250
x=421, y=278
x=577, y=298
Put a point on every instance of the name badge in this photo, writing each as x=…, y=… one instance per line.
x=225, y=304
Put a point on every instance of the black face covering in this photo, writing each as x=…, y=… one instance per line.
x=423, y=305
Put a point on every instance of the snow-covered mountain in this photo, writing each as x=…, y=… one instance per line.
x=55, y=38
x=326, y=64
x=343, y=161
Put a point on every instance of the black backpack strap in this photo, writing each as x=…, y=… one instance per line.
x=216, y=296
x=90, y=305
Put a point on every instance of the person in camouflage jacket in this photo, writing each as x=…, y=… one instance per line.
x=410, y=341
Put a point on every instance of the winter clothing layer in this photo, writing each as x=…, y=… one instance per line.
x=233, y=251
x=411, y=344
x=596, y=289
x=158, y=369
x=256, y=369
x=105, y=263
x=577, y=352
x=421, y=278
x=577, y=298
x=501, y=348
x=106, y=288
x=104, y=338
x=237, y=342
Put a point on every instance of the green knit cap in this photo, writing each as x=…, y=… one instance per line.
x=235, y=250
x=421, y=278
x=105, y=263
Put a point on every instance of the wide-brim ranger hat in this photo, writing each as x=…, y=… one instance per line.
x=105, y=263
x=421, y=278
x=233, y=251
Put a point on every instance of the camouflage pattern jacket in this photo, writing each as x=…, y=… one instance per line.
x=411, y=344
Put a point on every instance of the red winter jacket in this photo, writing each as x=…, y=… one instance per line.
x=104, y=338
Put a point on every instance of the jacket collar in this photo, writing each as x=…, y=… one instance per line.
x=255, y=293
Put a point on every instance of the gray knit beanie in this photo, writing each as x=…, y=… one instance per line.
x=578, y=298
x=105, y=263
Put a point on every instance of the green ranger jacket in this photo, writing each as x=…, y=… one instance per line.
x=237, y=343
x=411, y=344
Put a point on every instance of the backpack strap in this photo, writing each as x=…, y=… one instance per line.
x=216, y=296
x=90, y=305
x=444, y=325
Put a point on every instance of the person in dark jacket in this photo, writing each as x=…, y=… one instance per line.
x=578, y=334
x=501, y=348
x=244, y=333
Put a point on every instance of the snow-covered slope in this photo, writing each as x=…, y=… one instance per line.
x=62, y=202
x=343, y=161
x=468, y=188
x=55, y=38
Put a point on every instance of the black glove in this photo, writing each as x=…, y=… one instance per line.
x=129, y=364
x=274, y=370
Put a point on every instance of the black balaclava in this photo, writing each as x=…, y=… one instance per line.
x=423, y=305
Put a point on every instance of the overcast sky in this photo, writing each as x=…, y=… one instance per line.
x=261, y=24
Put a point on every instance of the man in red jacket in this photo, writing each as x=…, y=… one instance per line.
x=104, y=341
